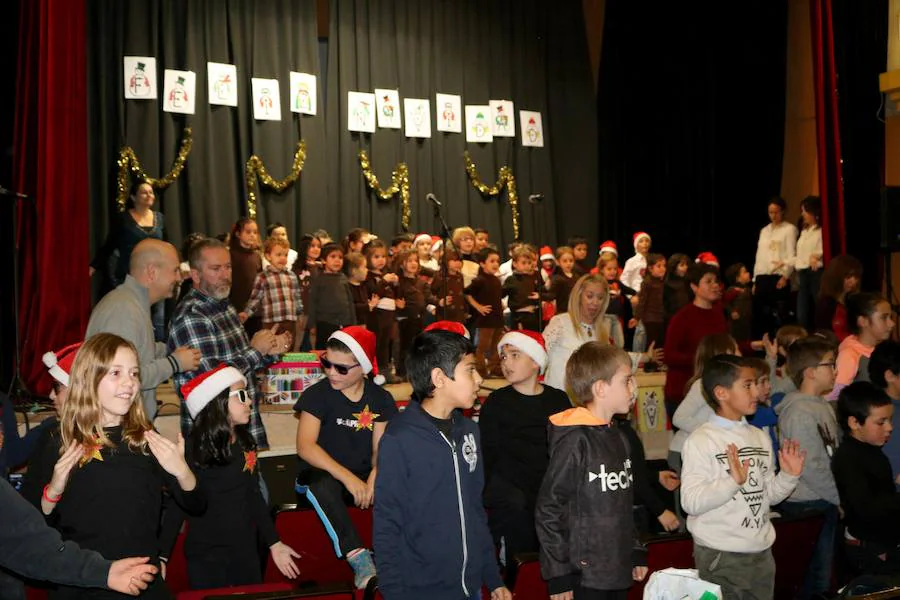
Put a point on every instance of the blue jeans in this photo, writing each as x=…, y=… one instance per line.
x=818, y=574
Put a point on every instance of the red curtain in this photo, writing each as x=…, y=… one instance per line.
x=50, y=165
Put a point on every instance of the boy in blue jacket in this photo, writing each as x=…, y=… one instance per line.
x=430, y=530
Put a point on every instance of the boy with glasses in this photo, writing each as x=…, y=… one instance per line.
x=342, y=419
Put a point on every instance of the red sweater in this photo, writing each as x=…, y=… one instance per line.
x=686, y=329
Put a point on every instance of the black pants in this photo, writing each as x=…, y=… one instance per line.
x=380, y=323
x=770, y=305
x=656, y=333
x=511, y=517
x=330, y=499
x=410, y=327
x=583, y=593
x=217, y=570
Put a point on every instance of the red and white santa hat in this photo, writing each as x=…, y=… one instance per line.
x=361, y=343
x=708, y=258
x=436, y=244
x=59, y=363
x=640, y=235
x=547, y=253
x=529, y=342
x=609, y=246
x=203, y=389
x=422, y=237
x=451, y=326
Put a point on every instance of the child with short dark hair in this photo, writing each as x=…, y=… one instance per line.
x=728, y=483
x=865, y=482
x=513, y=423
x=805, y=416
x=764, y=417
x=523, y=290
x=588, y=483
x=677, y=293
x=650, y=309
x=330, y=299
x=357, y=272
x=579, y=246
x=482, y=239
x=563, y=279
x=430, y=483
x=381, y=284
x=416, y=302
x=484, y=295
x=738, y=302
x=884, y=371
x=450, y=291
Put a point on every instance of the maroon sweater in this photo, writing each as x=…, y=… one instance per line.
x=486, y=289
x=689, y=325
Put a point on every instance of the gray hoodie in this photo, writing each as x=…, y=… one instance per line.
x=810, y=420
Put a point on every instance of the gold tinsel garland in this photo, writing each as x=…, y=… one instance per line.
x=399, y=185
x=256, y=169
x=505, y=179
x=128, y=162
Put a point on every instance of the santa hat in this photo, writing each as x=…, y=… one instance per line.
x=639, y=236
x=708, y=258
x=610, y=246
x=59, y=363
x=547, y=253
x=361, y=343
x=436, y=245
x=529, y=342
x=422, y=237
x=451, y=326
x=202, y=389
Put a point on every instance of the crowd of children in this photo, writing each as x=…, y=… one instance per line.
x=553, y=465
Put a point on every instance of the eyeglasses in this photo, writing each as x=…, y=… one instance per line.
x=342, y=369
x=830, y=365
x=242, y=396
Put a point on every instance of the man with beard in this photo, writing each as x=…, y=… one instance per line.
x=205, y=319
x=153, y=277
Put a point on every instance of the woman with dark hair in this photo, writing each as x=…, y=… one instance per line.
x=809, y=260
x=775, y=256
x=842, y=276
x=246, y=263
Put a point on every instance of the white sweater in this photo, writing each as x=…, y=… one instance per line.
x=633, y=272
x=691, y=413
x=722, y=515
x=776, y=245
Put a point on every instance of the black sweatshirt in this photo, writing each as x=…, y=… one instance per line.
x=514, y=436
x=114, y=504
x=234, y=512
x=643, y=484
x=865, y=483
x=31, y=549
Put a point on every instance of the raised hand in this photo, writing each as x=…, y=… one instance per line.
x=771, y=347
x=169, y=454
x=63, y=468
x=736, y=467
x=791, y=457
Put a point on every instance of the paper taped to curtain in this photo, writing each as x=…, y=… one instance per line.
x=266, y=99
x=448, y=109
x=303, y=93
x=222, y=82
x=503, y=120
x=361, y=112
x=179, y=91
x=478, y=124
x=140, y=77
x=387, y=107
x=532, y=128
x=417, y=112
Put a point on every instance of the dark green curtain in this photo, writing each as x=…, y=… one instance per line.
x=529, y=51
x=264, y=39
x=691, y=123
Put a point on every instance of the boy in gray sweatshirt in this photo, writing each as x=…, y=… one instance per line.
x=805, y=416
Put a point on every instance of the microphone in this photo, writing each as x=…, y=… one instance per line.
x=433, y=199
x=535, y=198
x=6, y=192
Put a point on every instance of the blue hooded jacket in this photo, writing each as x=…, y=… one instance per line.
x=430, y=529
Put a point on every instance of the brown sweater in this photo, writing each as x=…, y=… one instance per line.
x=457, y=309
x=245, y=265
x=417, y=295
x=486, y=289
x=650, y=307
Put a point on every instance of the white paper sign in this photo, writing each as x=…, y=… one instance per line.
x=448, y=110
x=303, y=93
x=503, y=118
x=417, y=112
x=532, y=129
x=221, y=80
x=179, y=91
x=140, y=77
x=387, y=104
x=266, y=99
x=361, y=112
x=478, y=125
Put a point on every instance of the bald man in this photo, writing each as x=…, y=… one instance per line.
x=153, y=277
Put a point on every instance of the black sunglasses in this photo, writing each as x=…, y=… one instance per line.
x=342, y=369
x=242, y=396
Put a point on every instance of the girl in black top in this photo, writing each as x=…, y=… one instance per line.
x=221, y=544
x=110, y=467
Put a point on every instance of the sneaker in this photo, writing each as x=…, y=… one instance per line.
x=363, y=568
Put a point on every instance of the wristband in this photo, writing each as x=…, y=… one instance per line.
x=47, y=497
x=176, y=368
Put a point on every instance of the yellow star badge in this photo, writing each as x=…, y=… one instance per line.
x=366, y=419
x=91, y=452
x=250, y=461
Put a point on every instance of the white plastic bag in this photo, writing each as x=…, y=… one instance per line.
x=680, y=584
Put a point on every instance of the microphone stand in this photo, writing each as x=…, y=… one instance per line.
x=445, y=237
x=17, y=388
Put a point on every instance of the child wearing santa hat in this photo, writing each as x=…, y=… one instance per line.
x=221, y=544
x=422, y=244
x=633, y=272
x=513, y=425
x=342, y=419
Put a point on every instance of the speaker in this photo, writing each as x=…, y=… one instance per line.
x=279, y=473
x=890, y=219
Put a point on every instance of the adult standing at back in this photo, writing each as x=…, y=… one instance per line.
x=154, y=276
x=809, y=261
x=775, y=256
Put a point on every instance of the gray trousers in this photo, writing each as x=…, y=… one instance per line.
x=742, y=575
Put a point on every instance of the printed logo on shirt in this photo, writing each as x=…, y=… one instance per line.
x=827, y=439
x=364, y=421
x=752, y=490
x=611, y=481
x=470, y=451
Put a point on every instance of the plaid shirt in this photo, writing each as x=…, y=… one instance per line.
x=213, y=327
x=278, y=293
